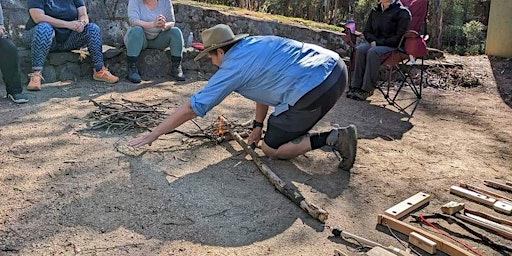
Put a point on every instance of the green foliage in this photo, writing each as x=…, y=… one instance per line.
x=362, y=9
x=473, y=31
x=475, y=36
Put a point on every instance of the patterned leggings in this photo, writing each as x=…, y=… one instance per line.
x=42, y=40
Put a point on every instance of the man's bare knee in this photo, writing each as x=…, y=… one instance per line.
x=269, y=152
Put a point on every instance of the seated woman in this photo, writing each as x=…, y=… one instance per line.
x=152, y=24
x=61, y=26
x=9, y=65
x=384, y=28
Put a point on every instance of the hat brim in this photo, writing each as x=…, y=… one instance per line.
x=213, y=47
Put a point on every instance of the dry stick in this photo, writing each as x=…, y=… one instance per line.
x=498, y=185
x=286, y=189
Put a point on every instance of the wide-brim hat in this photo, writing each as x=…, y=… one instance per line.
x=216, y=37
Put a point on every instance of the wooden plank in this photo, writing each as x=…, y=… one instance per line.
x=422, y=242
x=483, y=199
x=487, y=193
x=490, y=222
x=406, y=229
x=489, y=217
x=379, y=251
x=485, y=224
x=408, y=205
x=503, y=207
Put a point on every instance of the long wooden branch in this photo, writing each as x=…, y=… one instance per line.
x=289, y=191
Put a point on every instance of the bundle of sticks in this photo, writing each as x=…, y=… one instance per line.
x=122, y=115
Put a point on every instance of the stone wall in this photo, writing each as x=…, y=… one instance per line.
x=110, y=15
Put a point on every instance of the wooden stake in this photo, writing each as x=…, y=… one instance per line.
x=498, y=185
x=484, y=223
x=286, y=189
x=489, y=217
x=486, y=192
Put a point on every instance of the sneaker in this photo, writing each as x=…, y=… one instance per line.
x=362, y=95
x=35, y=81
x=18, y=98
x=105, y=76
x=344, y=140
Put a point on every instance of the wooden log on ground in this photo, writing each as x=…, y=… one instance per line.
x=286, y=189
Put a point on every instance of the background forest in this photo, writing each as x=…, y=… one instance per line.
x=457, y=26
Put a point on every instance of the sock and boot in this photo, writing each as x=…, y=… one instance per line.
x=176, y=70
x=133, y=73
x=343, y=140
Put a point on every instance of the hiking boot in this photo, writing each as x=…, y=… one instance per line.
x=35, y=81
x=105, y=76
x=176, y=70
x=361, y=95
x=18, y=98
x=133, y=73
x=344, y=140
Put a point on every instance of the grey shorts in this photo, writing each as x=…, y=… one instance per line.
x=300, y=118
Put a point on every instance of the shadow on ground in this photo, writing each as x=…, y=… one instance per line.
x=501, y=70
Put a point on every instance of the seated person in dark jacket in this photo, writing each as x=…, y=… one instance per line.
x=10, y=65
x=385, y=26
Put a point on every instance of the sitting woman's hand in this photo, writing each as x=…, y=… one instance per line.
x=159, y=22
x=2, y=30
x=76, y=25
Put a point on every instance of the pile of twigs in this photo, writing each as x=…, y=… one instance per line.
x=123, y=115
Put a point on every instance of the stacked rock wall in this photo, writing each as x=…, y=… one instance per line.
x=111, y=16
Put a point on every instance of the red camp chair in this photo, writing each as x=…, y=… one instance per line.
x=410, y=70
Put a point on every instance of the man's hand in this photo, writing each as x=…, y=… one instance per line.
x=255, y=136
x=141, y=141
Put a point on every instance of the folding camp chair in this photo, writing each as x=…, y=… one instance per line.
x=406, y=62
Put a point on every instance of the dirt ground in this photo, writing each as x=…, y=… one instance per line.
x=69, y=192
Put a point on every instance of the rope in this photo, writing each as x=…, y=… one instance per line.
x=449, y=236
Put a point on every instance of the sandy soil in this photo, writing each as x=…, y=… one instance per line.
x=66, y=191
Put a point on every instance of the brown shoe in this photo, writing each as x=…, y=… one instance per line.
x=344, y=140
x=105, y=76
x=35, y=81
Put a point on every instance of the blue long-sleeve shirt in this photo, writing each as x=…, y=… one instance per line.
x=271, y=70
